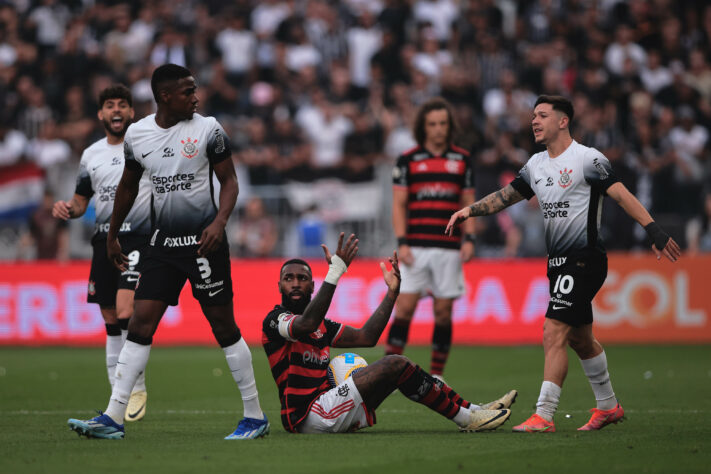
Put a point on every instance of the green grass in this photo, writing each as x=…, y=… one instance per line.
x=193, y=403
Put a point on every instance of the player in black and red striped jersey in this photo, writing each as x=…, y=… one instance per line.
x=297, y=336
x=430, y=182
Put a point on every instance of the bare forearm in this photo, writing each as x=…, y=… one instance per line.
x=315, y=311
x=375, y=325
x=630, y=204
x=227, y=200
x=399, y=220
x=469, y=225
x=496, y=202
x=125, y=197
x=77, y=206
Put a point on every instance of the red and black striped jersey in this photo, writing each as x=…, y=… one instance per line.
x=434, y=185
x=299, y=366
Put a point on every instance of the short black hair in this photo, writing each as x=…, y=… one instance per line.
x=116, y=91
x=166, y=73
x=297, y=261
x=559, y=103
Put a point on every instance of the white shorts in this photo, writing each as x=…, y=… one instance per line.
x=435, y=270
x=339, y=410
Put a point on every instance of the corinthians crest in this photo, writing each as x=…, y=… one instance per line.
x=565, y=179
x=190, y=148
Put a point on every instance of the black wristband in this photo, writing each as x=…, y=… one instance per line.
x=401, y=241
x=470, y=238
x=659, y=237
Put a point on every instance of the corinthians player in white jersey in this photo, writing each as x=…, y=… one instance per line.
x=570, y=181
x=179, y=151
x=100, y=170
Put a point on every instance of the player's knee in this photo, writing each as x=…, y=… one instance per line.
x=124, y=313
x=396, y=363
x=553, y=337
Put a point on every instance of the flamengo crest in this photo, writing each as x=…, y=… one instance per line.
x=565, y=179
x=190, y=148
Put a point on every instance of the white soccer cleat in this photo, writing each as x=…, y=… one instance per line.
x=486, y=420
x=502, y=403
x=136, y=406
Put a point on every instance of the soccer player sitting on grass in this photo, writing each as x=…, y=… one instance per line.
x=296, y=336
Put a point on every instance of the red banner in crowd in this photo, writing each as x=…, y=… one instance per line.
x=643, y=300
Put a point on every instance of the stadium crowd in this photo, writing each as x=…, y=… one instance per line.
x=318, y=94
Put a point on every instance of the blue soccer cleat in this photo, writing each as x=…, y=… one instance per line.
x=250, y=428
x=101, y=426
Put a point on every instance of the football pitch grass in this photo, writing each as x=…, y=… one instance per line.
x=193, y=403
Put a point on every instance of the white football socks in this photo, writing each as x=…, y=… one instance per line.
x=548, y=400
x=463, y=417
x=599, y=377
x=113, y=347
x=131, y=362
x=141, y=381
x=239, y=360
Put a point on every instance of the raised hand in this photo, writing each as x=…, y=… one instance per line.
x=346, y=252
x=392, y=277
x=458, y=217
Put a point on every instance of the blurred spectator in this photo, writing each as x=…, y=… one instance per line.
x=622, y=49
x=258, y=154
x=255, y=234
x=698, y=231
x=237, y=44
x=364, y=40
x=326, y=128
x=13, y=143
x=48, y=238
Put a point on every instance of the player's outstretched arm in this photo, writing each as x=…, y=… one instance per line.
x=214, y=233
x=126, y=193
x=337, y=265
x=663, y=244
x=76, y=207
x=490, y=204
x=368, y=335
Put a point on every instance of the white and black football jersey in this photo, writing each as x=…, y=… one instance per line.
x=179, y=164
x=570, y=189
x=100, y=171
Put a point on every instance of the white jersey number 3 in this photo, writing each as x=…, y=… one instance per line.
x=204, y=267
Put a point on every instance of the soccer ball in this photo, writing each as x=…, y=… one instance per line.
x=343, y=366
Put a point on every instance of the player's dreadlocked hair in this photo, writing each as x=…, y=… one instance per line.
x=116, y=91
x=559, y=103
x=436, y=103
x=167, y=73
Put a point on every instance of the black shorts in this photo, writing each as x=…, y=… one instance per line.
x=163, y=277
x=105, y=279
x=573, y=281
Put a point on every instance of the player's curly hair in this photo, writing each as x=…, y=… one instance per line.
x=116, y=91
x=436, y=103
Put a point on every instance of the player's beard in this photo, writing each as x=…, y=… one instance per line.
x=110, y=130
x=295, y=306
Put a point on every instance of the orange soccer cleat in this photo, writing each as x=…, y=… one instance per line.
x=535, y=424
x=602, y=418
